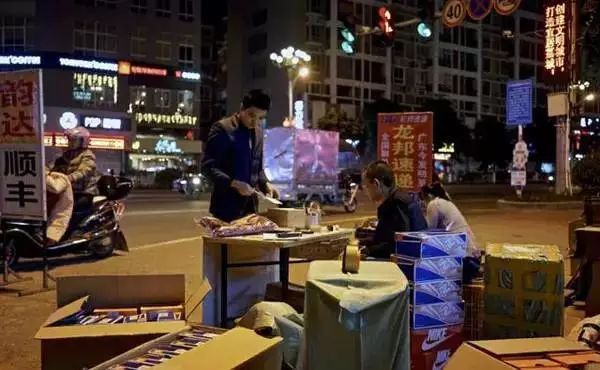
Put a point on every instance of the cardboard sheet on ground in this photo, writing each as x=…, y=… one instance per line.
x=356, y=321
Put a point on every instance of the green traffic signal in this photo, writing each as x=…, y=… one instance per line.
x=348, y=35
x=347, y=47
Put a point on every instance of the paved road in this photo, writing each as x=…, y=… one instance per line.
x=164, y=239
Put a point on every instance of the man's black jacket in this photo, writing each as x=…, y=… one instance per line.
x=400, y=212
x=233, y=152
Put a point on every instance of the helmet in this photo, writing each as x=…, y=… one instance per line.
x=79, y=137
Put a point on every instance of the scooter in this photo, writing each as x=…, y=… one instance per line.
x=98, y=233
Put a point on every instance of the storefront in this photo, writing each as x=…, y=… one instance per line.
x=156, y=153
x=110, y=135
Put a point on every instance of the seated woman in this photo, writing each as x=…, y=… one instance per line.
x=443, y=214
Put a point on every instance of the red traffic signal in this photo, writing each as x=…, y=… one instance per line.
x=386, y=23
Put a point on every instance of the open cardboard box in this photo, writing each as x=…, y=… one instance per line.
x=492, y=354
x=84, y=346
x=238, y=348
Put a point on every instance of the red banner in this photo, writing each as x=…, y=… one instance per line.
x=405, y=142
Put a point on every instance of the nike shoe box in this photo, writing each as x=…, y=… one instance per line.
x=430, y=269
x=431, y=244
x=430, y=349
x=436, y=292
x=437, y=315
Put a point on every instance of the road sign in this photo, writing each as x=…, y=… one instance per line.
x=519, y=102
x=520, y=155
x=506, y=7
x=518, y=178
x=479, y=9
x=454, y=13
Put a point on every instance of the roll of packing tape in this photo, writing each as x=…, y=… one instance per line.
x=351, y=261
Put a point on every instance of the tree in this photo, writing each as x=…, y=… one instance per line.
x=542, y=135
x=447, y=127
x=586, y=173
x=491, y=144
x=334, y=120
x=369, y=118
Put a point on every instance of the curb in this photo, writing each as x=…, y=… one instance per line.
x=507, y=204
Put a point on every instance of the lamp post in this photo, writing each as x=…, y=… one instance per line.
x=295, y=62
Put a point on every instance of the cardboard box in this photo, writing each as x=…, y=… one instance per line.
x=431, y=269
x=433, y=360
x=238, y=348
x=79, y=346
x=437, y=315
x=436, y=339
x=436, y=292
x=523, y=294
x=491, y=354
x=431, y=244
x=288, y=217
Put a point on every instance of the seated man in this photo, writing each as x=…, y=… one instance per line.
x=397, y=211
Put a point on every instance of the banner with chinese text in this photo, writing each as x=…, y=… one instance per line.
x=22, y=180
x=405, y=142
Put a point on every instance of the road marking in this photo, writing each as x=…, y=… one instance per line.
x=166, y=212
x=166, y=243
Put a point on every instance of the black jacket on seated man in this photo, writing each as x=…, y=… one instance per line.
x=233, y=152
x=399, y=212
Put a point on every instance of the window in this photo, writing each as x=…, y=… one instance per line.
x=314, y=6
x=95, y=90
x=315, y=33
x=259, y=69
x=344, y=68
x=163, y=8
x=186, y=56
x=94, y=37
x=186, y=10
x=13, y=31
x=486, y=88
x=487, y=65
x=259, y=18
x=163, y=50
x=205, y=92
x=399, y=75
x=139, y=6
x=162, y=98
x=138, y=43
x=378, y=73
x=257, y=43
x=138, y=96
x=185, y=102
x=112, y=4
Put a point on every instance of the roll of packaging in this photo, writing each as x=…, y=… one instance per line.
x=351, y=260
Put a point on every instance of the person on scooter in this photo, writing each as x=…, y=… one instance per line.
x=397, y=211
x=78, y=162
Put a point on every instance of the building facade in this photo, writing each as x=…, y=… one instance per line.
x=130, y=71
x=467, y=65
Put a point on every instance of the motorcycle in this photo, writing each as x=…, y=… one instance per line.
x=98, y=233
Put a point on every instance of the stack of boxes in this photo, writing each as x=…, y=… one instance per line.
x=524, y=291
x=432, y=262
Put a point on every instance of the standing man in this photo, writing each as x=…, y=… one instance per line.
x=397, y=211
x=233, y=159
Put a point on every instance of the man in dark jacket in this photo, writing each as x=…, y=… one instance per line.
x=233, y=159
x=397, y=211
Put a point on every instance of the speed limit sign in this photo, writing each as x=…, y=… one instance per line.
x=454, y=13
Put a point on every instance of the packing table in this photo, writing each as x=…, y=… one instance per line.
x=283, y=245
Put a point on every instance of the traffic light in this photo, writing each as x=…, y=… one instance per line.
x=348, y=35
x=426, y=14
x=386, y=26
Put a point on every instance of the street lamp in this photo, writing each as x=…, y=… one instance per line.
x=295, y=62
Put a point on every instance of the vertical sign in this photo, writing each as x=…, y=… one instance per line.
x=22, y=175
x=405, y=142
x=519, y=102
x=557, y=17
